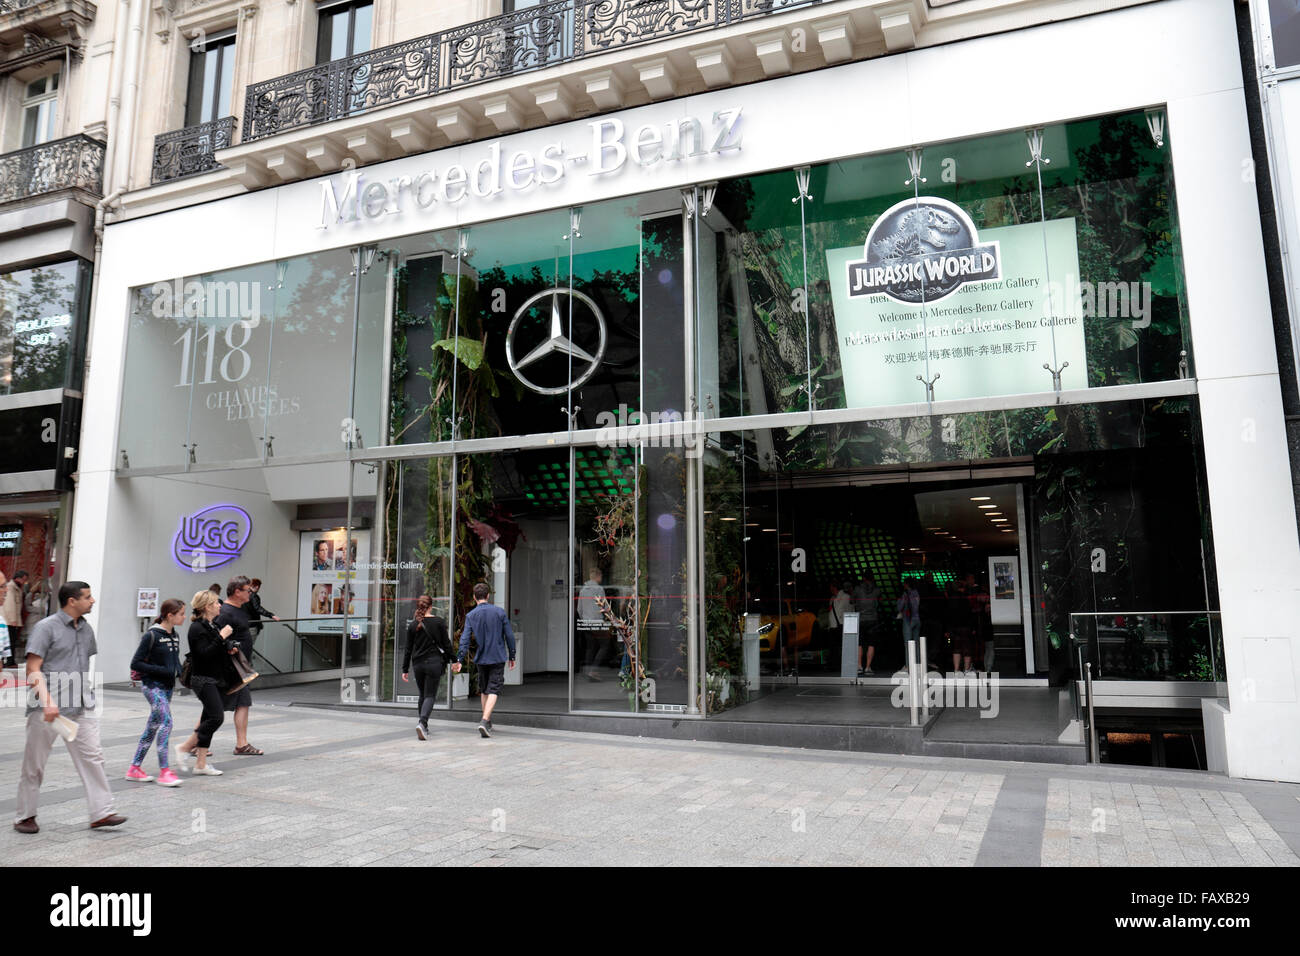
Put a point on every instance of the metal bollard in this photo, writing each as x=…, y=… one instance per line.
x=925, y=670
x=911, y=676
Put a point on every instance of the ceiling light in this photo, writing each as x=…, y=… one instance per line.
x=994, y=514
x=728, y=519
x=999, y=520
x=982, y=498
x=987, y=506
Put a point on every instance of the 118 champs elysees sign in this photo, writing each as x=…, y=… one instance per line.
x=922, y=250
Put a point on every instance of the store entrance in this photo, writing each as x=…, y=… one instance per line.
x=30, y=542
x=844, y=569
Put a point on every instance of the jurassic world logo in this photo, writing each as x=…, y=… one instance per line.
x=920, y=251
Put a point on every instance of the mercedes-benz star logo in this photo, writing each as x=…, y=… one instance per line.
x=556, y=342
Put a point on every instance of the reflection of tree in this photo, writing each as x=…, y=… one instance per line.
x=35, y=294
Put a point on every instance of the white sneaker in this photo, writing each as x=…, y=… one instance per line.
x=208, y=771
x=186, y=759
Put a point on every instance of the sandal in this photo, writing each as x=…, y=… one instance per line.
x=248, y=750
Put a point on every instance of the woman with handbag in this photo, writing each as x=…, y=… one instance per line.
x=211, y=673
x=156, y=663
x=429, y=646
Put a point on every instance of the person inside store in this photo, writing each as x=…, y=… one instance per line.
x=959, y=624
x=256, y=612
x=592, y=623
x=14, y=608
x=909, y=615
x=866, y=597
x=428, y=651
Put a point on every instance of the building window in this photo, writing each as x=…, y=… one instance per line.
x=40, y=110
x=344, y=30
x=513, y=6
x=212, y=64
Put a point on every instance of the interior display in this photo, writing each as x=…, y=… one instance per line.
x=1004, y=589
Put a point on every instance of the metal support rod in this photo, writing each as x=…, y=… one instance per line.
x=911, y=677
x=925, y=668
x=1094, y=756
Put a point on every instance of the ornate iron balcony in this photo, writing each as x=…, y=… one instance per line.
x=557, y=32
x=75, y=162
x=189, y=151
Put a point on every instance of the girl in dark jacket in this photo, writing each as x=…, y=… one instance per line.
x=429, y=646
x=157, y=661
x=211, y=673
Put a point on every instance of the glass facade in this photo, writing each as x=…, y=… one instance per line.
x=706, y=444
x=43, y=327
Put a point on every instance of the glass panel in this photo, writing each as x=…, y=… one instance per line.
x=211, y=59
x=417, y=507
x=157, y=377
x=311, y=354
x=665, y=568
x=732, y=655
x=227, y=53
x=361, y=29
x=515, y=275
x=513, y=533
x=1117, y=189
x=607, y=639
x=40, y=327
x=231, y=345
x=420, y=396
x=31, y=125
x=760, y=337
x=937, y=262
x=372, y=334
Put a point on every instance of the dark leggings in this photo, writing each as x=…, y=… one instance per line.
x=428, y=671
x=214, y=713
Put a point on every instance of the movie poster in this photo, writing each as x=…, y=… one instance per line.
x=325, y=594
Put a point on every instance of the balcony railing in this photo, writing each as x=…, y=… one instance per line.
x=557, y=32
x=75, y=162
x=189, y=151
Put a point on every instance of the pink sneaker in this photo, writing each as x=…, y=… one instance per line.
x=168, y=778
x=138, y=775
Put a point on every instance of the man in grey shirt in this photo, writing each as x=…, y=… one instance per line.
x=59, y=649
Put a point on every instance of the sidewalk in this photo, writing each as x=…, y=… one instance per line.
x=355, y=789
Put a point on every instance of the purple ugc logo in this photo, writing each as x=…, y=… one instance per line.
x=211, y=538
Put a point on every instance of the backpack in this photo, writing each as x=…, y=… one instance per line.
x=136, y=675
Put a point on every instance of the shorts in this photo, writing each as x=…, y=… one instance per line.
x=240, y=698
x=491, y=678
x=869, y=633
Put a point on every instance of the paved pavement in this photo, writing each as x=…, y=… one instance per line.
x=356, y=789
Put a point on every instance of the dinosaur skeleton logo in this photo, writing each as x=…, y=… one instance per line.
x=920, y=251
x=579, y=362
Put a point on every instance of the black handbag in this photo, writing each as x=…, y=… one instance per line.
x=187, y=670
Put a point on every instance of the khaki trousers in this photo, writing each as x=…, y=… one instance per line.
x=86, y=755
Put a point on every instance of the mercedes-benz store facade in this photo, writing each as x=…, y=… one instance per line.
x=669, y=377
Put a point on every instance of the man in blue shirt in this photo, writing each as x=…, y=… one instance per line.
x=494, y=645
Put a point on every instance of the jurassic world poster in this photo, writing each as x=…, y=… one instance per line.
x=991, y=332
